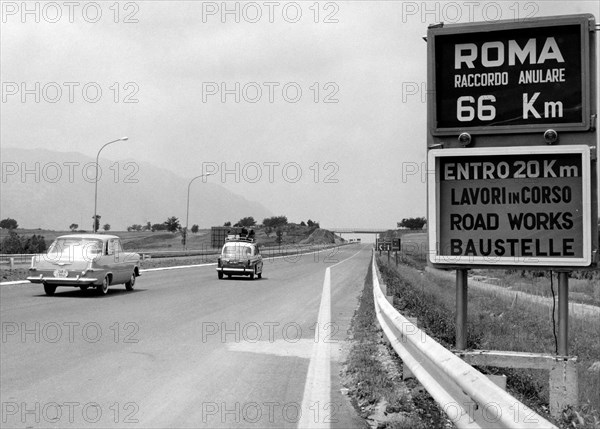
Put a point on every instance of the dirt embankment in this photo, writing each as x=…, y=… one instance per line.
x=322, y=236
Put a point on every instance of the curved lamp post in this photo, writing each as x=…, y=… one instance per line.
x=187, y=215
x=96, y=179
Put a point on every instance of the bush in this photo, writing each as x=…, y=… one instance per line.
x=13, y=244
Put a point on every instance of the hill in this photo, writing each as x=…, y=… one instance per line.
x=51, y=190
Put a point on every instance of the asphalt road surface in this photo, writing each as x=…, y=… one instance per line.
x=185, y=349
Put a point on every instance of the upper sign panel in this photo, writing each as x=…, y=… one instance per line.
x=510, y=77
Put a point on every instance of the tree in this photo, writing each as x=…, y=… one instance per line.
x=172, y=224
x=11, y=243
x=195, y=229
x=106, y=227
x=227, y=223
x=8, y=223
x=158, y=227
x=35, y=244
x=246, y=221
x=147, y=227
x=279, y=233
x=73, y=227
x=302, y=223
x=312, y=224
x=275, y=221
x=134, y=227
x=412, y=223
x=96, y=227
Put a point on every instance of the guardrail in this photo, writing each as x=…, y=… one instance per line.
x=17, y=258
x=467, y=396
x=268, y=252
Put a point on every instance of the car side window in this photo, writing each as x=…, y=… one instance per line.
x=111, y=247
x=118, y=246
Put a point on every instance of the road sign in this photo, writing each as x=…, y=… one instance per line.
x=384, y=245
x=510, y=76
x=530, y=207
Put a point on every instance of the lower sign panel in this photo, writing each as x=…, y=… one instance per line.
x=523, y=206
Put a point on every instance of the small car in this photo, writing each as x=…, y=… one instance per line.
x=240, y=256
x=84, y=261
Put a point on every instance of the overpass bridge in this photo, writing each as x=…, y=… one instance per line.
x=358, y=230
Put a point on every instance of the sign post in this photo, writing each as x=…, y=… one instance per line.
x=513, y=146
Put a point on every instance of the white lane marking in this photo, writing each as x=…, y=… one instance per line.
x=284, y=347
x=178, y=267
x=17, y=282
x=316, y=399
x=350, y=257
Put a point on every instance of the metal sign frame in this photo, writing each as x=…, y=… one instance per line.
x=435, y=36
x=438, y=258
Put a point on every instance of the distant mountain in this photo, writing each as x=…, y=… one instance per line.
x=51, y=190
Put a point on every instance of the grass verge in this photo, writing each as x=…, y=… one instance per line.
x=582, y=289
x=498, y=323
x=373, y=374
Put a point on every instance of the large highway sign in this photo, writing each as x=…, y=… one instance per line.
x=511, y=76
x=530, y=207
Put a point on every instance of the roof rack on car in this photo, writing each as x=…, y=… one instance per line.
x=244, y=235
x=237, y=237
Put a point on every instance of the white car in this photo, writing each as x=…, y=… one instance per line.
x=240, y=256
x=85, y=260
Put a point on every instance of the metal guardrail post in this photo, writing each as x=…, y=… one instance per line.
x=563, y=313
x=461, y=308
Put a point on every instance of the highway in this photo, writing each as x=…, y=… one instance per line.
x=185, y=349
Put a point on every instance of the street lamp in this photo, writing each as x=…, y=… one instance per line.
x=96, y=179
x=187, y=216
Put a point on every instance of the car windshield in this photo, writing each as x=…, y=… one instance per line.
x=75, y=249
x=236, y=250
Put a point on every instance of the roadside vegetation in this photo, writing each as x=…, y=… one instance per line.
x=373, y=375
x=496, y=322
x=15, y=243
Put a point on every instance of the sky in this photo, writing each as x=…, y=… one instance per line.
x=315, y=109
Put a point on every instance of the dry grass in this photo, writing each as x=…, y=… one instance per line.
x=373, y=376
x=499, y=323
x=581, y=290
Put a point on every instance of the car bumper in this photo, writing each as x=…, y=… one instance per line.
x=63, y=281
x=236, y=270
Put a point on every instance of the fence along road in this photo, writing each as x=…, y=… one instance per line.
x=466, y=395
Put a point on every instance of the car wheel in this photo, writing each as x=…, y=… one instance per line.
x=131, y=282
x=259, y=275
x=252, y=274
x=83, y=287
x=49, y=289
x=103, y=288
x=220, y=275
x=228, y=276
